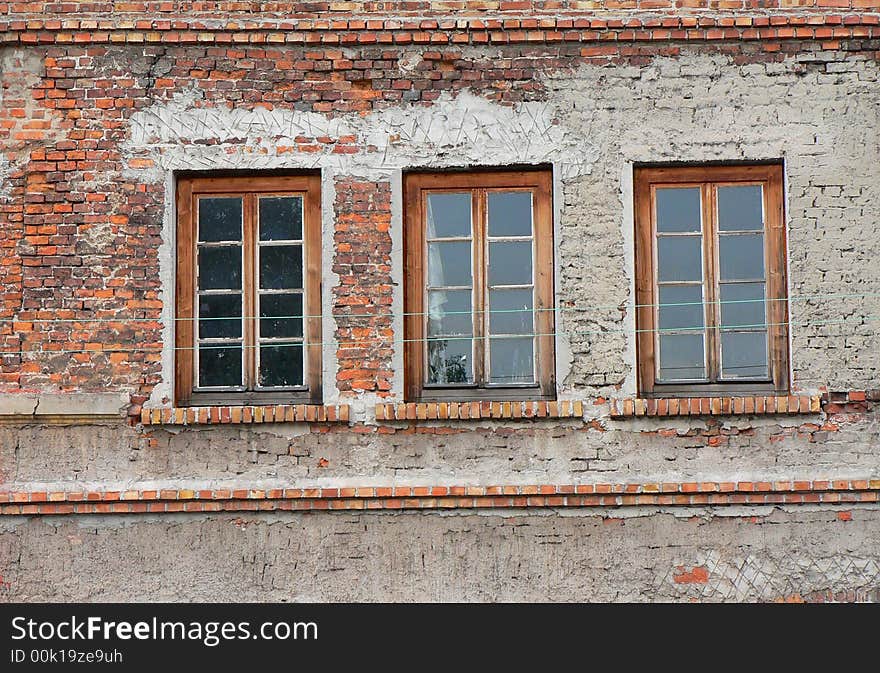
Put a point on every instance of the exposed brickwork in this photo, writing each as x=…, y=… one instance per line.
x=362, y=302
x=477, y=410
x=279, y=413
x=716, y=406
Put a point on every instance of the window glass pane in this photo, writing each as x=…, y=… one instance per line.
x=741, y=256
x=742, y=305
x=450, y=361
x=678, y=209
x=219, y=365
x=510, y=312
x=512, y=360
x=219, y=219
x=281, y=365
x=449, y=215
x=510, y=263
x=740, y=207
x=681, y=357
x=510, y=213
x=212, y=308
x=280, y=218
x=280, y=267
x=681, y=307
x=281, y=315
x=744, y=354
x=679, y=258
x=220, y=268
x=449, y=313
x=449, y=263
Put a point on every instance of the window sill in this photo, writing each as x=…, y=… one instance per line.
x=716, y=406
x=246, y=415
x=463, y=411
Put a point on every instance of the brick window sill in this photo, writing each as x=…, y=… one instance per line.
x=716, y=406
x=464, y=411
x=246, y=415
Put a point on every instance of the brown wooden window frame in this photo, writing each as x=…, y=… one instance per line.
x=189, y=189
x=708, y=178
x=479, y=183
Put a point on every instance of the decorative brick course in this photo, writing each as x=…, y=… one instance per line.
x=716, y=406
x=462, y=411
x=688, y=494
x=278, y=413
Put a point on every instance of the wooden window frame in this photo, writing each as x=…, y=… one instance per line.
x=250, y=188
x=416, y=184
x=707, y=177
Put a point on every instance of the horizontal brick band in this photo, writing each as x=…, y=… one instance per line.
x=215, y=415
x=479, y=410
x=441, y=32
x=716, y=406
x=441, y=497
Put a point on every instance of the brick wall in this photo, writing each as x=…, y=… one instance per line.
x=98, y=112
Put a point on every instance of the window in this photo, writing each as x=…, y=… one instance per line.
x=710, y=280
x=248, y=325
x=479, y=285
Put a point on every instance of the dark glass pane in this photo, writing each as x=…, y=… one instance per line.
x=449, y=313
x=681, y=307
x=510, y=214
x=281, y=366
x=220, y=268
x=742, y=305
x=510, y=312
x=744, y=354
x=449, y=215
x=281, y=267
x=450, y=361
x=281, y=315
x=219, y=219
x=740, y=208
x=510, y=263
x=219, y=365
x=681, y=357
x=741, y=256
x=678, y=209
x=512, y=360
x=214, y=308
x=280, y=218
x=449, y=263
x=679, y=258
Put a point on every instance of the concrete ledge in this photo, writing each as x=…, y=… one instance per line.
x=22, y=405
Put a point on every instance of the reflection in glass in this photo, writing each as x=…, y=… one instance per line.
x=740, y=208
x=742, y=305
x=219, y=219
x=450, y=361
x=681, y=357
x=741, y=256
x=678, y=209
x=214, y=307
x=511, y=360
x=449, y=263
x=681, y=307
x=281, y=366
x=510, y=311
x=510, y=213
x=280, y=218
x=510, y=263
x=449, y=313
x=679, y=258
x=744, y=354
x=449, y=215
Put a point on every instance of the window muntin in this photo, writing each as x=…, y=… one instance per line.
x=710, y=263
x=479, y=285
x=248, y=322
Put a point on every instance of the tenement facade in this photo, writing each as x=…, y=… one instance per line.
x=434, y=301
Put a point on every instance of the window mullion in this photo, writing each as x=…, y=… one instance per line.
x=478, y=234
x=710, y=282
x=250, y=290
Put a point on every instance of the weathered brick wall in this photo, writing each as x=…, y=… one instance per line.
x=94, y=121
